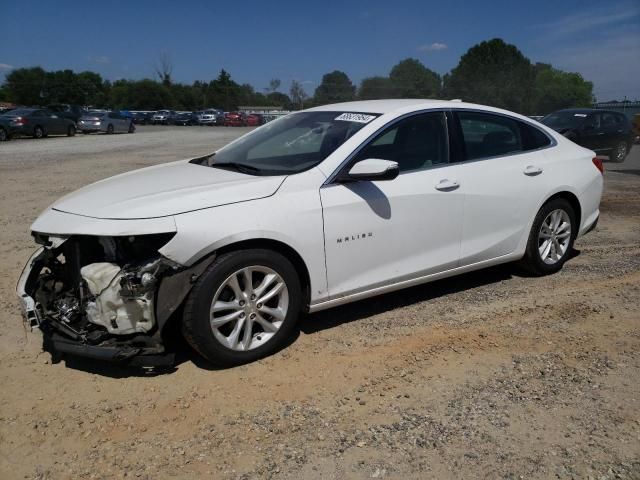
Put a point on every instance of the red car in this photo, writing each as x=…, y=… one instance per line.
x=254, y=120
x=234, y=119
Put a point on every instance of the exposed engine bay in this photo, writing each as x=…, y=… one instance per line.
x=92, y=291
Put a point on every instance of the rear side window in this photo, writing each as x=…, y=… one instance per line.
x=486, y=135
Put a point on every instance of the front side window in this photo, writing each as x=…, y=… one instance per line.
x=291, y=144
x=416, y=143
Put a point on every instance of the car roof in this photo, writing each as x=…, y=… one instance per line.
x=410, y=105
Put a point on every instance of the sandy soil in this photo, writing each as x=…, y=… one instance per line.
x=492, y=374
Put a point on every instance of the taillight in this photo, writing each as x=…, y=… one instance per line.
x=20, y=121
x=598, y=163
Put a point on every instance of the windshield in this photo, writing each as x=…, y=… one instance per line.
x=563, y=120
x=293, y=143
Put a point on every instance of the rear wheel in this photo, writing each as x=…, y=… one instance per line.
x=243, y=307
x=551, y=238
x=38, y=132
x=132, y=128
x=71, y=131
x=110, y=129
x=619, y=153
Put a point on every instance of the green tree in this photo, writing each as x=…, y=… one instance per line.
x=26, y=86
x=335, y=87
x=376, y=87
x=140, y=95
x=224, y=92
x=493, y=73
x=411, y=79
x=554, y=89
x=279, y=99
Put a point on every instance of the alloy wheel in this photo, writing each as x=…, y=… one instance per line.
x=621, y=151
x=554, y=236
x=249, y=308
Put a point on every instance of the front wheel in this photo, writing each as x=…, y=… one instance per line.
x=551, y=238
x=4, y=136
x=243, y=307
x=109, y=129
x=38, y=132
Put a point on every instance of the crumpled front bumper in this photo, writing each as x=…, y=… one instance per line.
x=134, y=350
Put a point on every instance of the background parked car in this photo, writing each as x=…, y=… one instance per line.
x=6, y=129
x=142, y=118
x=603, y=131
x=185, y=118
x=39, y=122
x=107, y=122
x=163, y=117
x=254, y=120
x=207, y=117
x=234, y=119
x=65, y=110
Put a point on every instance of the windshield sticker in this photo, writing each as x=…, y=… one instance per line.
x=355, y=117
x=579, y=114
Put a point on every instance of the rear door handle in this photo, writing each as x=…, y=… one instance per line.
x=532, y=170
x=446, y=185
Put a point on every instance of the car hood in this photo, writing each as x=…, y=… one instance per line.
x=165, y=190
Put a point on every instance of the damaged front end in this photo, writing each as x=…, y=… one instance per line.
x=102, y=297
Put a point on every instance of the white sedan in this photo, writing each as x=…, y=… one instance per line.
x=319, y=208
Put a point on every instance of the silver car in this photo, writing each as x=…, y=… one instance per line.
x=107, y=122
x=208, y=117
x=162, y=117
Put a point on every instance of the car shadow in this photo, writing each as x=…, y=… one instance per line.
x=628, y=172
x=317, y=322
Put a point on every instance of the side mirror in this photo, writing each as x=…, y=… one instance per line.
x=372, y=169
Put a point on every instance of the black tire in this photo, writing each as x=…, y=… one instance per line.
x=71, y=131
x=532, y=260
x=4, y=136
x=196, y=326
x=619, y=153
x=109, y=129
x=38, y=132
x=132, y=128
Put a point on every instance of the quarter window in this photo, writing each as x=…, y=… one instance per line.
x=416, y=143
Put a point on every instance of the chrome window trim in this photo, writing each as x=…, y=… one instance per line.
x=553, y=142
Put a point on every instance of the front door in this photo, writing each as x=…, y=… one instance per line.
x=383, y=232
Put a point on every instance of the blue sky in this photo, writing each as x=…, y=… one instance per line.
x=257, y=40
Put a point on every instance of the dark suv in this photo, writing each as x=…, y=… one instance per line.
x=64, y=110
x=603, y=131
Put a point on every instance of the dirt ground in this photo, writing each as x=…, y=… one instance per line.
x=488, y=375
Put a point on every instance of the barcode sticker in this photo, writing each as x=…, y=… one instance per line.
x=355, y=117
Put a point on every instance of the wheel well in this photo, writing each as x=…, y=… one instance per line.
x=573, y=201
x=283, y=249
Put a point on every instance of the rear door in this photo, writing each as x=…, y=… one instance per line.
x=592, y=133
x=503, y=174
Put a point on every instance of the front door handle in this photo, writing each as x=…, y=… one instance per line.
x=532, y=170
x=446, y=185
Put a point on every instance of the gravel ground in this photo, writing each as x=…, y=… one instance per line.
x=489, y=375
